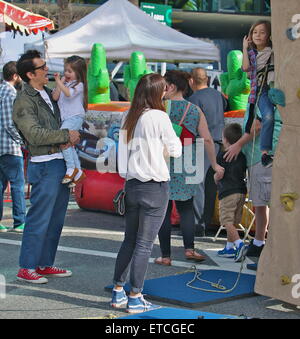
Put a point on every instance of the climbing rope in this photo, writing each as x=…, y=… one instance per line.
x=217, y=285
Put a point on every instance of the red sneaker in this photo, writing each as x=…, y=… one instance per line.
x=54, y=272
x=31, y=276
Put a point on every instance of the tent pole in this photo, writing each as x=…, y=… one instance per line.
x=163, y=68
x=116, y=69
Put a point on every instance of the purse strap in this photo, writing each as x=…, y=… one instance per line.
x=128, y=149
x=184, y=114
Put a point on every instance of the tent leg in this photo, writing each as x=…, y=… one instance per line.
x=163, y=68
x=116, y=69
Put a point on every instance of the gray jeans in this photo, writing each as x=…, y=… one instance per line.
x=146, y=205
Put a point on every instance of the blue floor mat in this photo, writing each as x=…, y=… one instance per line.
x=173, y=289
x=177, y=313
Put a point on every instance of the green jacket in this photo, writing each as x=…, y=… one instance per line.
x=38, y=124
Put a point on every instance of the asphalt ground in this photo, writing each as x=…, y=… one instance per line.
x=89, y=244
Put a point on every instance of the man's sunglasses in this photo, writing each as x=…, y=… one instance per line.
x=43, y=67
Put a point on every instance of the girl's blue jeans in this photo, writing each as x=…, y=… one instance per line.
x=267, y=110
x=70, y=155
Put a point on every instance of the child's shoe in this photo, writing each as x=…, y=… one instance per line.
x=79, y=177
x=240, y=252
x=139, y=304
x=70, y=175
x=227, y=253
x=267, y=160
x=119, y=298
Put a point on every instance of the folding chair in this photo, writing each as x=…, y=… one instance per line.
x=250, y=216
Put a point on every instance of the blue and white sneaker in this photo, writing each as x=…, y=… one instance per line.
x=119, y=298
x=240, y=252
x=139, y=304
x=227, y=253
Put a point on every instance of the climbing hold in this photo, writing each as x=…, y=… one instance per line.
x=277, y=96
x=291, y=34
x=285, y=280
x=298, y=93
x=288, y=201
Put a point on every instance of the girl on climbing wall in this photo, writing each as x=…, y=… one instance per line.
x=258, y=61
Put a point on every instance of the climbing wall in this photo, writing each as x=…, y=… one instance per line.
x=278, y=273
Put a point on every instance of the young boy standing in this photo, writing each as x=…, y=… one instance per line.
x=232, y=192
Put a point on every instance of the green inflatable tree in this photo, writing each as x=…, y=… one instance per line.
x=134, y=71
x=98, y=77
x=235, y=83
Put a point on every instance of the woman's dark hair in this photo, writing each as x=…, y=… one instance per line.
x=9, y=70
x=79, y=67
x=148, y=95
x=178, y=78
x=25, y=63
x=268, y=29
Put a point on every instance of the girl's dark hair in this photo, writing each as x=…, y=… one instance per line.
x=79, y=67
x=148, y=94
x=25, y=63
x=232, y=133
x=178, y=78
x=268, y=29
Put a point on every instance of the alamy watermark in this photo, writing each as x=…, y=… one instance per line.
x=295, y=30
x=145, y=154
x=296, y=287
x=2, y=286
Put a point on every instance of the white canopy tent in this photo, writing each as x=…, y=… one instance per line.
x=123, y=28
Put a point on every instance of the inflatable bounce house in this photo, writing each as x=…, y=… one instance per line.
x=99, y=145
x=235, y=85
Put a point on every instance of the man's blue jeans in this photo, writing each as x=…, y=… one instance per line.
x=267, y=110
x=146, y=205
x=12, y=170
x=45, y=219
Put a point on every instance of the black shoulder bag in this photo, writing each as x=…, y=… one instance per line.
x=119, y=198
